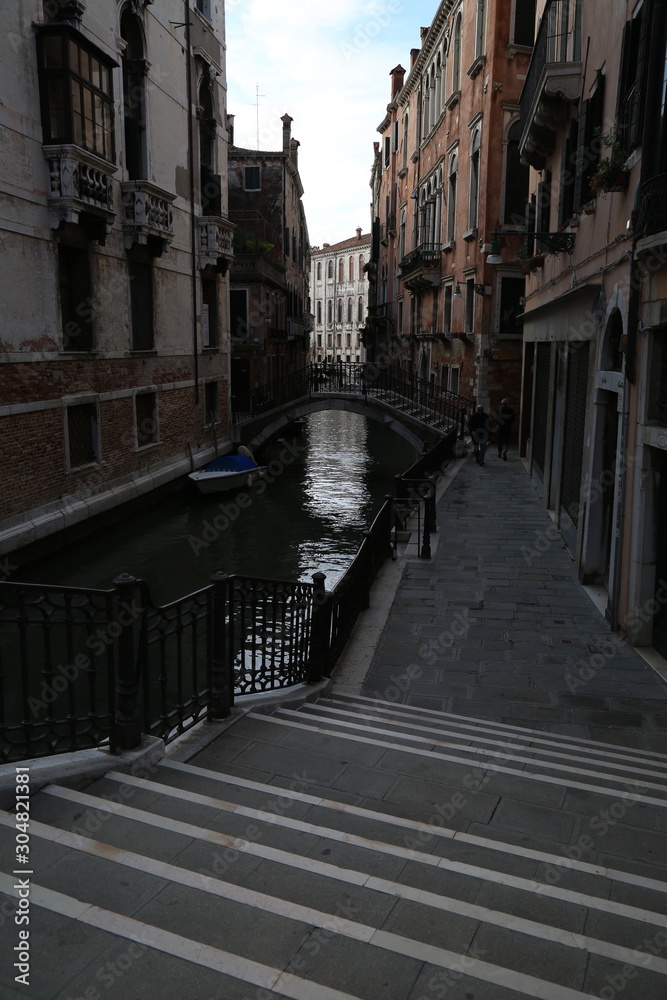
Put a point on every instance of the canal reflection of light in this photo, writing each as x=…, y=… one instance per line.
x=335, y=481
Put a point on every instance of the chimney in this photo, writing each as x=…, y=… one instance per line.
x=325, y=245
x=376, y=149
x=414, y=55
x=287, y=132
x=230, y=129
x=358, y=232
x=397, y=77
x=294, y=151
x=423, y=32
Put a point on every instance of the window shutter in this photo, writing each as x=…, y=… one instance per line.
x=581, y=161
x=623, y=84
x=637, y=105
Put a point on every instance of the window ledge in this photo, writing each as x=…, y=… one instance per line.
x=470, y=235
x=477, y=66
x=450, y=245
x=514, y=49
x=140, y=352
x=453, y=99
x=145, y=447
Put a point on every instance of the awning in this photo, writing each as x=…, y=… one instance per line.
x=571, y=316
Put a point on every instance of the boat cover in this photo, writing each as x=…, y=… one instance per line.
x=230, y=463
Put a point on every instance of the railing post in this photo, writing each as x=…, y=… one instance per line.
x=222, y=687
x=431, y=503
x=128, y=725
x=426, y=537
x=320, y=631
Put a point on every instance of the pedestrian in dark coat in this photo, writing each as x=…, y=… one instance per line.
x=505, y=418
x=479, y=426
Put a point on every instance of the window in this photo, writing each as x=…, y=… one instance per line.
x=251, y=179
x=82, y=443
x=209, y=312
x=238, y=312
x=211, y=403
x=474, y=178
x=204, y=7
x=319, y=312
x=329, y=312
x=141, y=304
x=319, y=270
x=524, y=22
x=401, y=237
x=406, y=128
x=394, y=137
x=351, y=268
x=543, y=204
x=480, y=28
x=341, y=271
x=76, y=91
x=516, y=180
x=360, y=310
x=330, y=270
x=340, y=310
x=76, y=307
x=210, y=182
x=632, y=79
x=451, y=201
x=568, y=159
x=447, y=310
x=456, y=61
x=512, y=291
x=591, y=117
x=361, y=267
x=134, y=97
x=470, y=306
x=387, y=150
x=454, y=379
x=145, y=418
x=349, y=310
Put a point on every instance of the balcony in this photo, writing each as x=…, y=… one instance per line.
x=258, y=269
x=553, y=82
x=422, y=268
x=81, y=189
x=215, y=242
x=651, y=227
x=147, y=216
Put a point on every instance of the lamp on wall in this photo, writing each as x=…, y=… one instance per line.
x=480, y=289
x=494, y=257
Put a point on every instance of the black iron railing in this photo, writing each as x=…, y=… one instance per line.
x=652, y=216
x=556, y=42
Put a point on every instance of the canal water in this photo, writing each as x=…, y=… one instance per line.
x=323, y=489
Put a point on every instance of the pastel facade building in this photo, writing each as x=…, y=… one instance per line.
x=339, y=286
x=115, y=250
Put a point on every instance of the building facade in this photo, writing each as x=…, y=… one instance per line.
x=446, y=176
x=594, y=132
x=339, y=284
x=270, y=277
x=115, y=249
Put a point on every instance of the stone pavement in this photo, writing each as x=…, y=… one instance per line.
x=497, y=625
x=498, y=835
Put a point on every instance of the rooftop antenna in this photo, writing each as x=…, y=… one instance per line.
x=257, y=109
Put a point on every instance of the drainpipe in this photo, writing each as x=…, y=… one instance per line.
x=193, y=221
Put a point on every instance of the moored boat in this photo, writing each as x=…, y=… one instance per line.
x=230, y=472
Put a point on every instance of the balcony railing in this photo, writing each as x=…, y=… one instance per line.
x=147, y=214
x=80, y=186
x=258, y=268
x=215, y=241
x=422, y=268
x=553, y=81
x=652, y=217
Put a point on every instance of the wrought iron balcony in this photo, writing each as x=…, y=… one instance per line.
x=652, y=217
x=553, y=82
x=81, y=187
x=422, y=268
x=258, y=269
x=147, y=215
x=215, y=241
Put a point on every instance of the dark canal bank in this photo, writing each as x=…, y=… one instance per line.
x=322, y=491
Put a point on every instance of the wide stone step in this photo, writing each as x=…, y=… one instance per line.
x=343, y=851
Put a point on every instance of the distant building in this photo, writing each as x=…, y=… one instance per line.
x=270, y=305
x=115, y=248
x=339, y=285
x=446, y=175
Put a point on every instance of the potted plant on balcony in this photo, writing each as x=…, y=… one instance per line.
x=611, y=173
x=529, y=262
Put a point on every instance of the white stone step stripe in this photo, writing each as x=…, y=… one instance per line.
x=598, y=758
x=487, y=726
x=395, y=850
x=342, y=925
x=178, y=946
x=452, y=759
x=487, y=843
x=307, y=711
x=274, y=979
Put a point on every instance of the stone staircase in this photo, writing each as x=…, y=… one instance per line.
x=351, y=848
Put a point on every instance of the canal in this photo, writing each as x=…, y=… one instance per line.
x=323, y=489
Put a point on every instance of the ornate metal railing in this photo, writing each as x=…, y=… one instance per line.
x=652, y=216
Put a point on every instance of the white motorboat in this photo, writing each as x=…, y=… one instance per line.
x=231, y=472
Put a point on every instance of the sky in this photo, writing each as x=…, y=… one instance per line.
x=326, y=63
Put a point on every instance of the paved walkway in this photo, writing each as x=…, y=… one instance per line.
x=497, y=625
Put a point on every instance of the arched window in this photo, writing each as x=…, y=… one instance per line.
x=329, y=312
x=456, y=61
x=402, y=229
x=341, y=271
x=451, y=201
x=406, y=126
x=516, y=180
x=438, y=86
x=360, y=310
x=319, y=270
x=134, y=97
x=351, y=268
x=319, y=313
x=330, y=270
x=361, y=267
x=474, y=178
x=349, y=310
x=480, y=28
x=340, y=310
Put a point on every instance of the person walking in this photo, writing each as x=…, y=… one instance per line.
x=505, y=418
x=479, y=425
